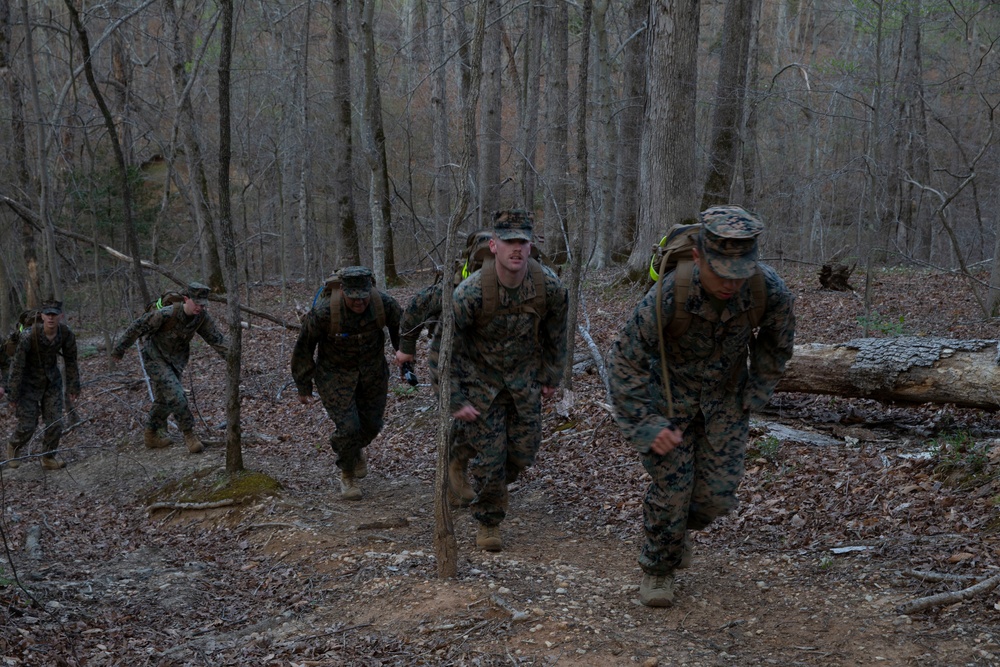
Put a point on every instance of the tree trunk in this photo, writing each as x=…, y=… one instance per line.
x=18, y=153
x=605, y=156
x=376, y=147
x=534, y=32
x=556, y=156
x=630, y=133
x=53, y=282
x=439, y=100
x=730, y=98
x=197, y=179
x=349, y=252
x=667, y=186
x=911, y=369
x=445, y=546
x=491, y=116
x=582, y=213
x=234, y=447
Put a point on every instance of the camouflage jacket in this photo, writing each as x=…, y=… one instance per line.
x=423, y=310
x=359, y=343
x=35, y=363
x=513, y=351
x=171, y=343
x=6, y=355
x=707, y=364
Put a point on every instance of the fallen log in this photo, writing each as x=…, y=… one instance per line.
x=904, y=368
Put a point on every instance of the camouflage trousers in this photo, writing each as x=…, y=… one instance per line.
x=504, y=440
x=49, y=402
x=168, y=396
x=355, y=400
x=692, y=486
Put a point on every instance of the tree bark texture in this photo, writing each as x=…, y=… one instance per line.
x=557, y=136
x=909, y=369
x=668, y=189
x=349, y=252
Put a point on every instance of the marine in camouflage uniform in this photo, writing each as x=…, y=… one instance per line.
x=166, y=334
x=696, y=459
x=502, y=367
x=36, y=385
x=348, y=368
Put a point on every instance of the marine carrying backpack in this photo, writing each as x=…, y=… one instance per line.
x=331, y=290
x=673, y=254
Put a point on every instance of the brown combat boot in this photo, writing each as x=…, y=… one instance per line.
x=460, y=492
x=349, y=489
x=51, y=462
x=488, y=538
x=12, y=461
x=155, y=439
x=193, y=443
x=361, y=467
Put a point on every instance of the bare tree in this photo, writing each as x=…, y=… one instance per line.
x=343, y=181
x=18, y=154
x=728, y=126
x=630, y=120
x=123, y=167
x=579, y=226
x=234, y=358
x=491, y=115
x=667, y=183
x=557, y=134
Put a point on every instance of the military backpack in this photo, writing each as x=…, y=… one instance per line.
x=169, y=298
x=331, y=290
x=673, y=254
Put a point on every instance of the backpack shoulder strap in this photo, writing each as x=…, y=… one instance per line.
x=538, y=277
x=491, y=293
x=682, y=288
x=758, y=290
x=335, y=301
x=376, y=301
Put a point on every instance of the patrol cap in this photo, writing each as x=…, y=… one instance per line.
x=356, y=281
x=51, y=307
x=729, y=239
x=513, y=224
x=198, y=293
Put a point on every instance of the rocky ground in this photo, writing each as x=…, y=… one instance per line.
x=811, y=569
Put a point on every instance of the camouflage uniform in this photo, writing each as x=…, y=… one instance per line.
x=713, y=390
x=6, y=355
x=500, y=369
x=349, y=369
x=424, y=310
x=166, y=347
x=36, y=385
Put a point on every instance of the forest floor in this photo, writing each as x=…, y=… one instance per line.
x=809, y=570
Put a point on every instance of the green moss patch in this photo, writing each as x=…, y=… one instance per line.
x=211, y=485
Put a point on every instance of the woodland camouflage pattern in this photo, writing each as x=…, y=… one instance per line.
x=36, y=383
x=713, y=392
x=424, y=310
x=165, y=352
x=729, y=239
x=349, y=370
x=500, y=369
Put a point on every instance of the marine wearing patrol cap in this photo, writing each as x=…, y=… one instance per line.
x=51, y=307
x=356, y=282
x=198, y=293
x=513, y=224
x=729, y=240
